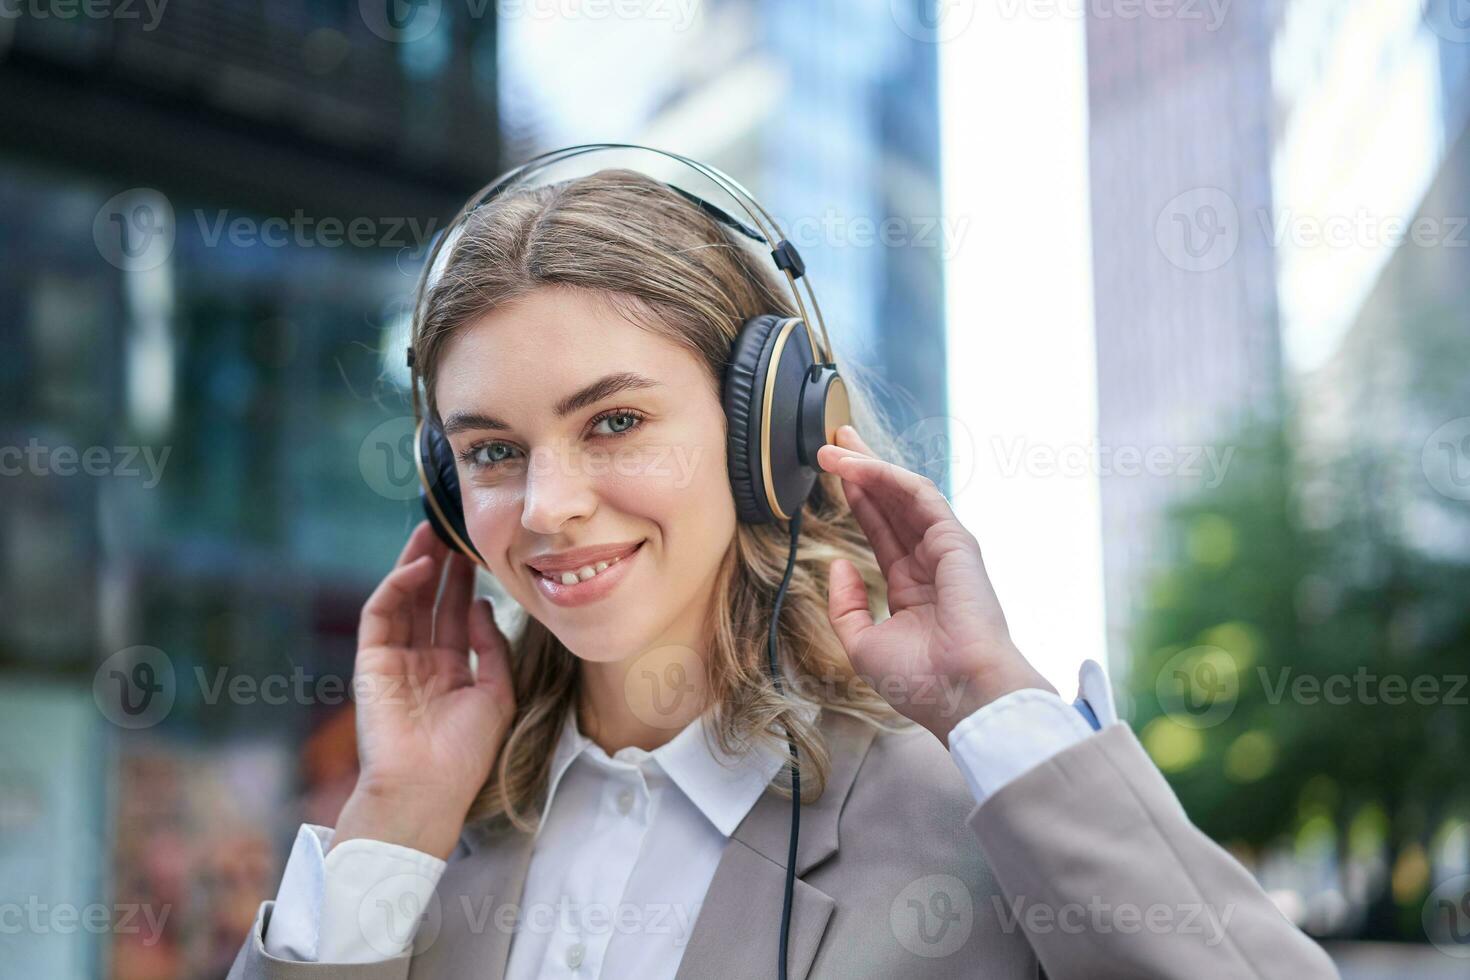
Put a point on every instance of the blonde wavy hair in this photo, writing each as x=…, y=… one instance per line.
x=668, y=267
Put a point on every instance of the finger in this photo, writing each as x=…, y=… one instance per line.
x=875, y=525
x=912, y=502
x=847, y=603
x=423, y=605
x=421, y=541
x=387, y=617
x=492, y=652
x=848, y=438
x=451, y=618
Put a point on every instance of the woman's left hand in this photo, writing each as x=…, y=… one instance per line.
x=945, y=649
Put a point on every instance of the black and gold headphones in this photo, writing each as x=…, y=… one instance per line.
x=782, y=394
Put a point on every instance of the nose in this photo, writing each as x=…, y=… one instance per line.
x=558, y=489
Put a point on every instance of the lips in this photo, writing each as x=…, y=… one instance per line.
x=587, y=583
x=579, y=558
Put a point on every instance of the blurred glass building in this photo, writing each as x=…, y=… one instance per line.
x=212, y=215
x=824, y=110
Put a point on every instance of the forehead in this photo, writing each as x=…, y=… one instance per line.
x=545, y=345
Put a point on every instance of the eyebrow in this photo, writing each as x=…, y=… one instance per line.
x=604, y=387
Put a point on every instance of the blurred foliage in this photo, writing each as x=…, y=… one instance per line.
x=1300, y=669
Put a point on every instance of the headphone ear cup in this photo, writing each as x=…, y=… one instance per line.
x=777, y=349
x=439, y=490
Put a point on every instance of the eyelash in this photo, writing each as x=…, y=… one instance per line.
x=468, y=455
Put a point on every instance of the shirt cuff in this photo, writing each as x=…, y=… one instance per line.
x=359, y=902
x=1017, y=731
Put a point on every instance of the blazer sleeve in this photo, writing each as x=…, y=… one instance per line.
x=253, y=962
x=1107, y=877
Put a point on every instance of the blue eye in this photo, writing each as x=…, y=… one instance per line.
x=491, y=454
x=633, y=421
x=483, y=454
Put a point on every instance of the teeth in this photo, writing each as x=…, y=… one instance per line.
x=584, y=573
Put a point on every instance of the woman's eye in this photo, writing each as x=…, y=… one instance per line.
x=620, y=422
x=486, y=454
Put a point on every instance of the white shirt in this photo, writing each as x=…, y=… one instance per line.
x=626, y=852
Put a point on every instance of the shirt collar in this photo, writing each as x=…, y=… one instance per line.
x=723, y=786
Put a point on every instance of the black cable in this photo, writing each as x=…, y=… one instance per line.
x=795, y=775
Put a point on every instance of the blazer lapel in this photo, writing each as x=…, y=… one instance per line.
x=737, y=931
x=478, y=906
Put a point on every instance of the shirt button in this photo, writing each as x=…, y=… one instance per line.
x=575, y=952
x=625, y=801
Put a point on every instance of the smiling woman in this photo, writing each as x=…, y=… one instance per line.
x=574, y=346
x=623, y=759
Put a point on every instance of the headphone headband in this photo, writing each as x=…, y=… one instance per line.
x=766, y=230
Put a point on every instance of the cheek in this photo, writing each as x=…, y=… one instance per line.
x=492, y=515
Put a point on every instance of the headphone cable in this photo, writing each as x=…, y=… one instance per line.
x=795, y=774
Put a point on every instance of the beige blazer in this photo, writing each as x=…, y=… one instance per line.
x=1085, y=865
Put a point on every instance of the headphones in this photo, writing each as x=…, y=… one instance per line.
x=782, y=395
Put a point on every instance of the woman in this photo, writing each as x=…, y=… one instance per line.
x=603, y=795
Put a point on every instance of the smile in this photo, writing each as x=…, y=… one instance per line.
x=575, y=587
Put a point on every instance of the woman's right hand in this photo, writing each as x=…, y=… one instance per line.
x=428, y=729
